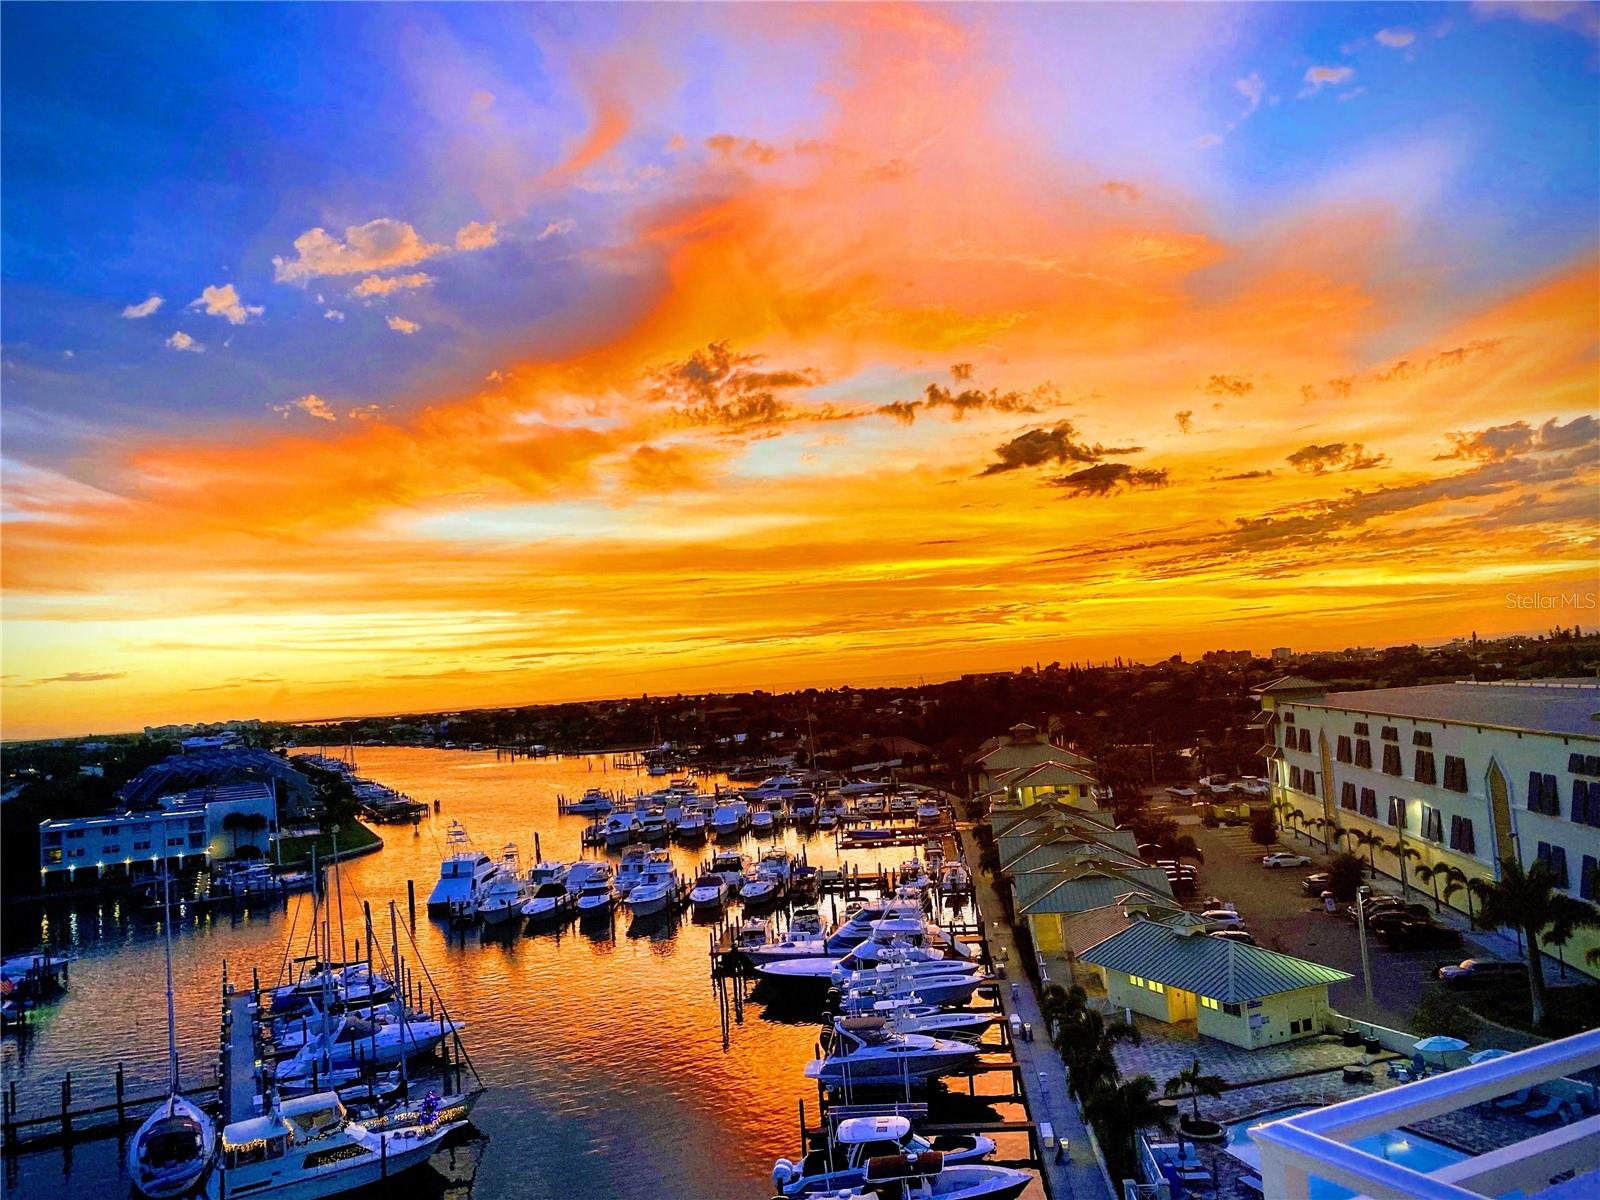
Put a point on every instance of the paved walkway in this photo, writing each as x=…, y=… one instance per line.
x=239, y=1061
x=1044, y=1076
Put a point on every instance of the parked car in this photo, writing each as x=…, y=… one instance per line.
x=1234, y=935
x=1375, y=908
x=1225, y=917
x=1285, y=858
x=1418, y=935
x=1480, y=972
x=1316, y=884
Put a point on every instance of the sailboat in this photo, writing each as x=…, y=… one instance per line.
x=173, y=1151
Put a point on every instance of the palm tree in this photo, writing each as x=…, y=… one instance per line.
x=1295, y=818
x=232, y=823
x=1184, y=847
x=1368, y=842
x=1320, y=825
x=1528, y=901
x=1402, y=852
x=1120, y=1110
x=1431, y=876
x=1194, y=1082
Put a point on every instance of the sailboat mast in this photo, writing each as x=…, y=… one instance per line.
x=338, y=887
x=166, y=929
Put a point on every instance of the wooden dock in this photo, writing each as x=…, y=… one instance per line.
x=240, y=1082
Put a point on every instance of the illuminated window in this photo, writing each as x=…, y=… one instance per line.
x=1136, y=981
x=1156, y=987
x=1207, y=1002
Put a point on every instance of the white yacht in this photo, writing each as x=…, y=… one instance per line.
x=621, y=828
x=757, y=890
x=548, y=901
x=595, y=803
x=754, y=933
x=762, y=819
x=653, y=827
x=909, y=1015
x=857, y=925
x=731, y=865
x=657, y=888
x=855, y=1140
x=864, y=989
x=462, y=874
x=866, y=1050
x=774, y=787
x=586, y=871
x=691, y=826
x=352, y=1043
x=803, y=807
x=174, y=1149
x=730, y=818
x=502, y=896
x=308, y=1148
x=864, y=787
x=596, y=896
x=634, y=862
x=710, y=892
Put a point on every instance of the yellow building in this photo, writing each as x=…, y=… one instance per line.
x=1239, y=994
x=1021, y=746
x=1047, y=894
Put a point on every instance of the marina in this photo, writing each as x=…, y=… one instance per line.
x=603, y=1026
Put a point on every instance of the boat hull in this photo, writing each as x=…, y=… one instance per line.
x=403, y=1154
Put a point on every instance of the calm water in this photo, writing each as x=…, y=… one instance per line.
x=604, y=1051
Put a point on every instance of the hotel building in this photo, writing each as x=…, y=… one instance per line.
x=1452, y=777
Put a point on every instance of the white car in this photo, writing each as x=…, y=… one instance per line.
x=1285, y=859
x=1223, y=918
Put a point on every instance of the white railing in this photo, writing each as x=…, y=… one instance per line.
x=1317, y=1142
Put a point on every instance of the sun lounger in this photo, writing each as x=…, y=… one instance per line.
x=1252, y=1184
x=1514, y=1101
x=1550, y=1108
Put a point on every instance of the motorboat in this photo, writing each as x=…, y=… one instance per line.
x=354, y=1043
x=596, y=897
x=908, y=1015
x=757, y=890
x=175, y=1148
x=502, y=896
x=955, y=880
x=924, y=1176
x=731, y=865
x=308, y=1147
x=862, y=989
x=803, y=807
x=631, y=871
x=653, y=827
x=594, y=803
x=710, y=892
x=794, y=944
x=730, y=818
x=753, y=934
x=463, y=872
x=827, y=819
x=866, y=1050
x=657, y=888
x=586, y=871
x=774, y=787
x=858, y=924
x=691, y=826
x=762, y=819
x=913, y=936
x=864, y=787
x=620, y=828
x=547, y=902
x=842, y=1161
x=549, y=871
x=928, y=812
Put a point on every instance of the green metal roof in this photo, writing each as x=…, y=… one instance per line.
x=1080, y=886
x=1227, y=971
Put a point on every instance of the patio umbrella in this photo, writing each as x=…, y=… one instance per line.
x=1439, y=1045
x=1486, y=1055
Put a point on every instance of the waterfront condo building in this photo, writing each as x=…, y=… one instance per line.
x=1450, y=778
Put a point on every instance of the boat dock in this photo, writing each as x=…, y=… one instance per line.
x=237, y=1071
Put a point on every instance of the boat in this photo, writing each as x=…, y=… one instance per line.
x=863, y=990
x=857, y=925
x=653, y=827
x=634, y=862
x=710, y=892
x=621, y=828
x=910, y=1015
x=596, y=897
x=548, y=901
x=502, y=896
x=594, y=803
x=175, y=1147
x=924, y=1176
x=691, y=826
x=866, y=1050
x=351, y=1043
x=955, y=880
x=928, y=812
x=657, y=889
x=758, y=890
x=731, y=865
x=841, y=1162
x=796, y=943
x=865, y=787
x=753, y=934
x=462, y=873
x=308, y=1147
x=730, y=818
x=586, y=871
x=549, y=871
x=803, y=807
x=762, y=820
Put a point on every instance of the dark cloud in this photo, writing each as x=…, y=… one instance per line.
x=1104, y=478
x=901, y=410
x=83, y=677
x=1341, y=387
x=961, y=372
x=937, y=396
x=1335, y=456
x=1443, y=360
x=1500, y=442
x=1057, y=444
x=1185, y=419
x=717, y=387
x=1228, y=385
x=1244, y=475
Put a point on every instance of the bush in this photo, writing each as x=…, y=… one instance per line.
x=1345, y=874
x=1263, y=830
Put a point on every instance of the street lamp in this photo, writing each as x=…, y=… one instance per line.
x=1362, y=893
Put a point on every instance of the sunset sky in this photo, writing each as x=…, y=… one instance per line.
x=380, y=358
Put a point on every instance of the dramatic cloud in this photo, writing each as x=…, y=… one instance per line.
x=1500, y=442
x=1228, y=385
x=557, y=229
x=1335, y=456
x=477, y=235
x=1395, y=38
x=401, y=325
x=1057, y=444
x=1105, y=478
x=1317, y=78
x=312, y=405
x=720, y=388
x=379, y=245
x=381, y=286
x=144, y=308
x=1185, y=420
x=224, y=302
x=182, y=341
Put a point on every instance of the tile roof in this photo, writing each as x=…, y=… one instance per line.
x=1227, y=971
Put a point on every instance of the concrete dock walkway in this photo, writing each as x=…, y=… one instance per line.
x=238, y=1059
x=1044, y=1076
